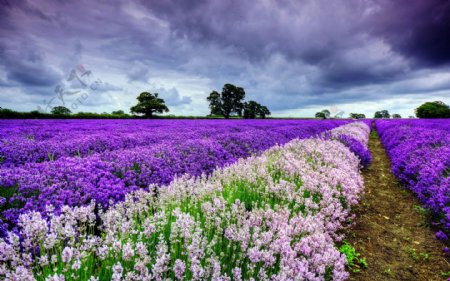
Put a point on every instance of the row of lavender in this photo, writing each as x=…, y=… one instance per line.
x=420, y=156
x=30, y=141
x=275, y=216
x=172, y=148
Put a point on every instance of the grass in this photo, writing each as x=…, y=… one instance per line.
x=425, y=214
x=417, y=257
x=388, y=271
x=354, y=261
x=445, y=274
x=7, y=192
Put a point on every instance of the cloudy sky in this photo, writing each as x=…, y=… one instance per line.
x=296, y=57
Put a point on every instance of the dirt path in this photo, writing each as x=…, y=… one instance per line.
x=391, y=231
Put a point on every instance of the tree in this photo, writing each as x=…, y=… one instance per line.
x=357, y=115
x=8, y=113
x=60, y=110
x=320, y=115
x=215, y=103
x=324, y=114
x=118, y=112
x=327, y=113
x=396, y=116
x=148, y=104
x=435, y=109
x=252, y=110
x=382, y=114
x=232, y=100
x=264, y=111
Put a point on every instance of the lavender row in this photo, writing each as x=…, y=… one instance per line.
x=107, y=177
x=355, y=137
x=51, y=140
x=38, y=140
x=420, y=157
x=272, y=217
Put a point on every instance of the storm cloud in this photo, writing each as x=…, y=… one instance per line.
x=294, y=56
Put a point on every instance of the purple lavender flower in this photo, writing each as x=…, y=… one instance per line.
x=420, y=159
x=358, y=148
x=276, y=215
x=73, y=162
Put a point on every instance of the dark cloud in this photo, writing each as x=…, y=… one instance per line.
x=417, y=29
x=25, y=65
x=106, y=86
x=310, y=30
x=314, y=30
x=138, y=71
x=172, y=97
x=332, y=36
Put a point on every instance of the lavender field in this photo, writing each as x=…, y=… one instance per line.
x=195, y=200
x=420, y=155
x=262, y=140
x=74, y=162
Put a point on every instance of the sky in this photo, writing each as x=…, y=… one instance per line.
x=296, y=57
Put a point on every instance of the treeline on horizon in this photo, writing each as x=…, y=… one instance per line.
x=35, y=114
x=228, y=104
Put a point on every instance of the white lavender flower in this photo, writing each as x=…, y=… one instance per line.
x=67, y=254
x=179, y=269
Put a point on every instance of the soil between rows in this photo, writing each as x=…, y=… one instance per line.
x=391, y=231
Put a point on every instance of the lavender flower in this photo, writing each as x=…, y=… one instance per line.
x=275, y=215
x=420, y=159
x=89, y=163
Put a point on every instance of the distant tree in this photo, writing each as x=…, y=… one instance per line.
x=118, y=112
x=232, y=100
x=382, y=114
x=324, y=114
x=215, y=103
x=148, y=104
x=357, y=116
x=320, y=115
x=8, y=113
x=435, y=109
x=60, y=110
x=252, y=110
x=264, y=112
x=396, y=116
